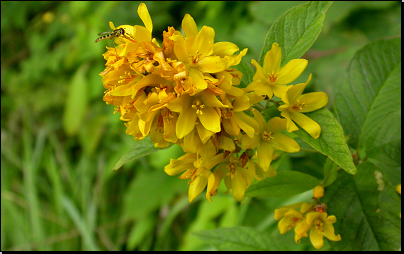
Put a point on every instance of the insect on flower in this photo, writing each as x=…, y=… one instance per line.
x=111, y=35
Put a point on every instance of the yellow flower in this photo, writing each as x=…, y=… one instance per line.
x=296, y=104
x=320, y=226
x=271, y=78
x=290, y=217
x=199, y=53
x=267, y=138
x=203, y=106
x=236, y=178
x=197, y=168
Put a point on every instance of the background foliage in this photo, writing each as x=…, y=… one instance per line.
x=60, y=141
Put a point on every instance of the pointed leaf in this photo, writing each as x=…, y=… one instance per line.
x=368, y=104
x=141, y=148
x=331, y=141
x=367, y=208
x=330, y=172
x=284, y=184
x=237, y=239
x=296, y=30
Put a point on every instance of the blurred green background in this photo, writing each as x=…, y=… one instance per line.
x=60, y=141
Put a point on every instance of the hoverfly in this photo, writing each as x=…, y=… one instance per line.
x=111, y=35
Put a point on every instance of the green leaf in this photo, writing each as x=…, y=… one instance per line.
x=296, y=30
x=141, y=148
x=330, y=172
x=284, y=184
x=367, y=208
x=76, y=102
x=149, y=191
x=370, y=77
x=331, y=141
x=368, y=104
x=248, y=73
x=236, y=239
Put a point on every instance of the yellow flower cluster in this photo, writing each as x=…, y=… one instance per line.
x=185, y=92
x=310, y=217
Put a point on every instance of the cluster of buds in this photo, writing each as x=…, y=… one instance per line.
x=186, y=92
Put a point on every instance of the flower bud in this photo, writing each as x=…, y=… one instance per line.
x=318, y=192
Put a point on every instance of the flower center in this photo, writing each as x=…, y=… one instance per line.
x=226, y=114
x=267, y=136
x=319, y=226
x=293, y=222
x=299, y=106
x=197, y=104
x=232, y=168
x=195, y=59
x=272, y=77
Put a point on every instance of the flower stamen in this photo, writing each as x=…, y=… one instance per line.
x=198, y=106
x=299, y=106
x=267, y=136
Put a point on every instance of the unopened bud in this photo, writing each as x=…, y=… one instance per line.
x=318, y=192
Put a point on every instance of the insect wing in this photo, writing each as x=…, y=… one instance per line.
x=105, y=33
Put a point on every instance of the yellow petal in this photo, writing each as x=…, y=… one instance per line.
x=189, y=26
x=180, y=103
x=272, y=60
x=235, y=59
x=196, y=187
x=275, y=124
x=250, y=142
x=145, y=17
x=291, y=71
x=306, y=123
x=259, y=73
x=224, y=48
x=301, y=230
x=238, y=185
x=203, y=133
x=241, y=103
x=260, y=120
x=290, y=125
x=310, y=217
x=279, y=90
x=203, y=44
x=214, y=180
x=284, y=143
x=316, y=238
x=180, y=49
x=111, y=25
x=197, y=79
x=186, y=122
x=210, y=100
x=212, y=64
x=265, y=152
x=246, y=123
x=329, y=232
x=283, y=225
x=230, y=126
x=210, y=119
x=294, y=92
x=141, y=34
x=191, y=142
x=313, y=101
